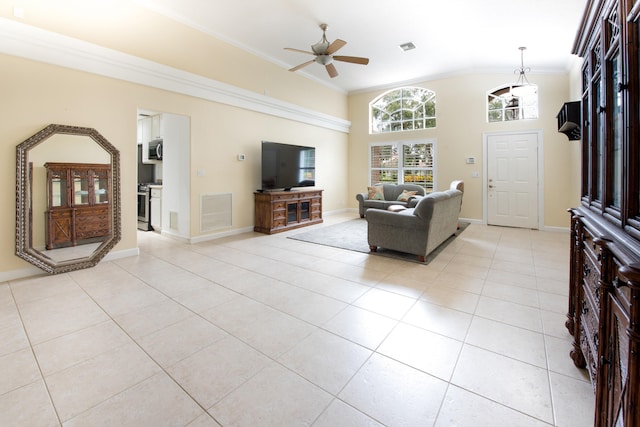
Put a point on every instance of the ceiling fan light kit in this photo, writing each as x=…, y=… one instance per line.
x=324, y=59
x=323, y=51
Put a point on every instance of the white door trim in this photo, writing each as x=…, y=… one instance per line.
x=485, y=167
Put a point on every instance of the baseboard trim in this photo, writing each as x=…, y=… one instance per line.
x=209, y=237
x=21, y=273
x=556, y=229
x=125, y=253
x=472, y=221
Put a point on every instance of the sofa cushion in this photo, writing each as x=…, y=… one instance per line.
x=376, y=192
x=424, y=208
x=382, y=204
x=405, y=195
x=390, y=192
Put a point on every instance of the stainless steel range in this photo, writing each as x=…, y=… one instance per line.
x=144, y=207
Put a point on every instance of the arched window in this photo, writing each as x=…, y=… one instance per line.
x=508, y=103
x=407, y=108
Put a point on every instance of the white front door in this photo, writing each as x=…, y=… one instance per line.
x=512, y=179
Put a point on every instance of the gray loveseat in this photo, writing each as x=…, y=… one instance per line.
x=417, y=230
x=391, y=193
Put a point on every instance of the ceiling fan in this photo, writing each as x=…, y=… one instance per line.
x=324, y=54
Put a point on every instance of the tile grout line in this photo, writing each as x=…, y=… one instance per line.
x=37, y=362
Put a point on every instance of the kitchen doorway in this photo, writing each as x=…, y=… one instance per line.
x=168, y=202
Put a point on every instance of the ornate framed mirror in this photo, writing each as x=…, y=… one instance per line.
x=67, y=198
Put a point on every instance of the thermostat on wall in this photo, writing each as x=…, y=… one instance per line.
x=470, y=160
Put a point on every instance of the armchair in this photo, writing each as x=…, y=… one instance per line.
x=417, y=230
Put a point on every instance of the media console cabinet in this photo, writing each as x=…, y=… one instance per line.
x=277, y=211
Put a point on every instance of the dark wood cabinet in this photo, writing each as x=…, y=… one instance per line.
x=604, y=289
x=604, y=315
x=78, y=200
x=277, y=211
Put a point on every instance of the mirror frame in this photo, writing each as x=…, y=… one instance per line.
x=23, y=231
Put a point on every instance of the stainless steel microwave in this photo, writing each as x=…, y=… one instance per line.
x=155, y=149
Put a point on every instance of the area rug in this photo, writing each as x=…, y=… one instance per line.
x=352, y=235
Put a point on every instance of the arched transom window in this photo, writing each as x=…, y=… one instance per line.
x=407, y=108
x=508, y=103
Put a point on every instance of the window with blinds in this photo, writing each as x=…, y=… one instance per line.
x=403, y=163
x=307, y=164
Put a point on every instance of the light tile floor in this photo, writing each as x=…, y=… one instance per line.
x=257, y=330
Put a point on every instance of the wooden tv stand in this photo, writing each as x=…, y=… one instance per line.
x=277, y=211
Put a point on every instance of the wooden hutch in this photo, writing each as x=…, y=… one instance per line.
x=78, y=203
x=604, y=301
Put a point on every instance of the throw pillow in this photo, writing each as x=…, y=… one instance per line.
x=404, y=197
x=375, y=193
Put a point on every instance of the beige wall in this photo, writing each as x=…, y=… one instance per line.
x=124, y=26
x=37, y=94
x=461, y=122
x=219, y=133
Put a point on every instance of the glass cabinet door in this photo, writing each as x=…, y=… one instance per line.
x=80, y=187
x=598, y=143
x=305, y=212
x=616, y=129
x=73, y=184
x=614, y=88
x=58, y=188
x=100, y=186
x=292, y=212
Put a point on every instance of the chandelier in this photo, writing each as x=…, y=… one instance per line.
x=522, y=87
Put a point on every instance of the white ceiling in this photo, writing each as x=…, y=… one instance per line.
x=452, y=36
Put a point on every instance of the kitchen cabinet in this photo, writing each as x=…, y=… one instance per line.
x=156, y=207
x=139, y=133
x=149, y=128
x=156, y=126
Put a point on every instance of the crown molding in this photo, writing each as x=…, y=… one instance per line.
x=25, y=41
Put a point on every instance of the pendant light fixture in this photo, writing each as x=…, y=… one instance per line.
x=522, y=86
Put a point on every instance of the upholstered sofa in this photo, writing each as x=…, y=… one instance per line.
x=417, y=230
x=385, y=195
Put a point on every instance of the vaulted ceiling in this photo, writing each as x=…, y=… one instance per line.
x=451, y=37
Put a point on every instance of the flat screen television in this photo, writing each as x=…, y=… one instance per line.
x=285, y=166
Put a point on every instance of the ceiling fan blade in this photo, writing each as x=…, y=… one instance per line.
x=331, y=70
x=353, y=59
x=298, y=50
x=304, y=64
x=333, y=47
